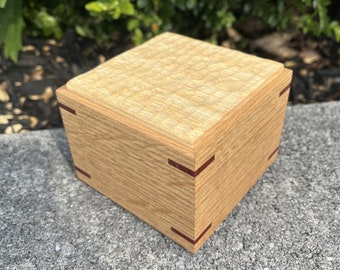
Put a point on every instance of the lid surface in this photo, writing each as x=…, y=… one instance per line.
x=175, y=85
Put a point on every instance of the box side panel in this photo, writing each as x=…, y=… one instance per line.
x=131, y=169
x=244, y=147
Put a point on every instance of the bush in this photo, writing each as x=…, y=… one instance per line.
x=11, y=25
x=142, y=19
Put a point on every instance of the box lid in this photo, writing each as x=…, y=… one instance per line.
x=175, y=85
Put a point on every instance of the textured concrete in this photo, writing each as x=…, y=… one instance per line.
x=289, y=220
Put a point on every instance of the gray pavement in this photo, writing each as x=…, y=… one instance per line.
x=289, y=220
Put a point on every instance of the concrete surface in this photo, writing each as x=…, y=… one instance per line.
x=289, y=220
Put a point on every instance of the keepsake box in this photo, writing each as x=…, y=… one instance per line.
x=176, y=131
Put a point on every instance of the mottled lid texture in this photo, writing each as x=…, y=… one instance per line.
x=175, y=85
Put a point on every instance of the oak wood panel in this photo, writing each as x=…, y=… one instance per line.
x=243, y=153
x=131, y=169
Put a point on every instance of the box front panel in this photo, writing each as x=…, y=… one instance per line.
x=131, y=169
x=243, y=151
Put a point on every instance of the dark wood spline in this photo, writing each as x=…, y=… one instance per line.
x=67, y=108
x=273, y=153
x=189, y=171
x=284, y=90
x=82, y=172
x=192, y=241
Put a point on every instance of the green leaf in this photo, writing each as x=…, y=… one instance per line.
x=45, y=20
x=96, y=6
x=322, y=14
x=142, y=3
x=11, y=24
x=84, y=31
x=116, y=13
x=48, y=24
x=3, y=3
x=127, y=8
x=335, y=27
x=13, y=40
x=132, y=24
x=190, y=4
x=138, y=37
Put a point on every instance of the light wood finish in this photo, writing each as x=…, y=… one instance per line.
x=178, y=86
x=245, y=145
x=177, y=151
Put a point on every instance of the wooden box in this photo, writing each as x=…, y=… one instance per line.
x=176, y=131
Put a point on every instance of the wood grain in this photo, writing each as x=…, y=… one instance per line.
x=177, y=86
x=242, y=144
x=177, y=151
x=131, y=169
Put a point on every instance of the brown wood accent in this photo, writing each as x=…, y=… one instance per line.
x=189, y=171
x=273, y=153
x=82, y=171
x=63, y=106
x=284, y=90
x=188, y=238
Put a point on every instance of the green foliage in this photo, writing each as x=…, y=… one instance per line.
x=191, y=17
x=317, y=22
x=110, y=9
x=47, y=23
x=11, y=23
x=310, y=16
x=142, y=19
x=3, y=3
